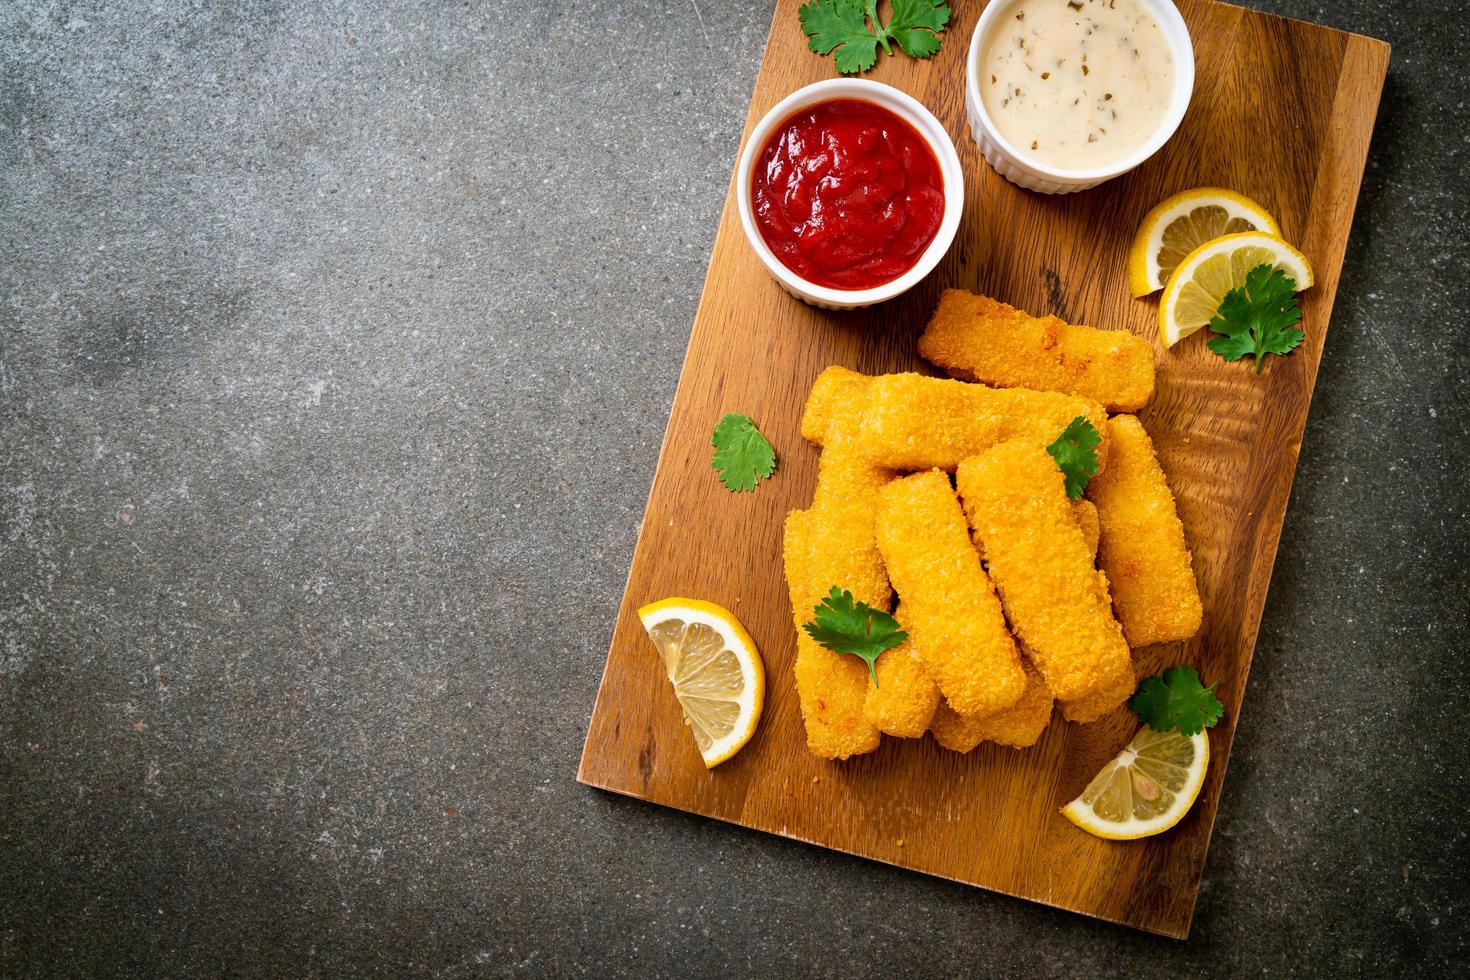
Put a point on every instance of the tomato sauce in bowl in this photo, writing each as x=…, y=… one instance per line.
x=847, y=194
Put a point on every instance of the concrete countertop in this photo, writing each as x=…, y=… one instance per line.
x=336, y=345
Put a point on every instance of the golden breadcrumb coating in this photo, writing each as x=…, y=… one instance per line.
x=950, y=609
x=1023, y=724
x=831, y=544
x=1018, y=726
x=846, y=480
x=847, y=484
x=1017, y=502
x=918, y=423
x=1142, y=548
x=836, y=391
x=1115, y=689
x=830, y=686
x=844, y=507
x=904, y=699
x=1086, y=515
x=1118, y=686
x=981, y=339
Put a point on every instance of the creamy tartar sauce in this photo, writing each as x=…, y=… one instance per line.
x=1077, y=84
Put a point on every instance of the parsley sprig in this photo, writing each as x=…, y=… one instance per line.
x=1176, y=700
x=742, y=455
x=853, y=28
x=1075, y=451
x=846, y=626
x=1258, y=318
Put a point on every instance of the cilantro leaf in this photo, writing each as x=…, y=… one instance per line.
x=1258, y=318
x=916, y=25
x=742, y=455
x=1176, y=700
x=852, y=28
x=845, y=626
x=841, y=24
x=1076, y=455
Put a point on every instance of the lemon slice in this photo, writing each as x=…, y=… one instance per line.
x=1146, y=790
x=716, y=671
x=1183, y=223
x=1196, y=288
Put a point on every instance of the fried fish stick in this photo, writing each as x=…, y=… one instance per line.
x=1142, y=548
x=830, y=686
x=1086, y=515
x=832, y=545
x=1116, y=688
x=980, y=339
x=1018, y=726
x=918, y=423
x=848, y=481
x=1017, y=503
x=950, y=608
x=926, y=422
x=1119, y=685
x=903, y=701
x=836, y=392
x=846, y=501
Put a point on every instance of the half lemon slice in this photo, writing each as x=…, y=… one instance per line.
x=1183, y=223
x=1198, y=286
x=1147, y=789
x=716, y=671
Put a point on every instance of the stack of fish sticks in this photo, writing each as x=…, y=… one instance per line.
x=1016, y=599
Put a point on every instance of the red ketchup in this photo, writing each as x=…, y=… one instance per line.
x=847, y=194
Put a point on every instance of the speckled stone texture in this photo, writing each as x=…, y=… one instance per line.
x=336, y=345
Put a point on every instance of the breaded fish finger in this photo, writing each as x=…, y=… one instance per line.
x=832, y=544
x=950, y=609
x=1118, y=686
x=830, y=686
x=1018, y=726
x=1142, y=548
x=1086, y=514
x=845, y=502
x=903, y=701
x=836, y=392
x=1021, y=725
x=1017, y=503
x=918, y=423
x=981, y=339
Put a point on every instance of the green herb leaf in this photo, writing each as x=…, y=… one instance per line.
x=845, y=626
x=1075, y=451
x=852, y=28
x=742, y=455
x=1258, y=318
x=916, y=25
x=840, y=24
x=1176, y=700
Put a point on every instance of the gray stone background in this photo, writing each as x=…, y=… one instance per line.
x=336, y=344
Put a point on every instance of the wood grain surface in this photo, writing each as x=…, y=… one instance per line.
x=1282, y=112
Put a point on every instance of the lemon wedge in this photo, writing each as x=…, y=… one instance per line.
x=716, y=671
x=1183, y=223
x=1197, y=287
x=1147, y=789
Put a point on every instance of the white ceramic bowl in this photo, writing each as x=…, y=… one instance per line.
x=1020, y=169
x=917, y=116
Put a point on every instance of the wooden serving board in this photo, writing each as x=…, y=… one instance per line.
x=1282, y=112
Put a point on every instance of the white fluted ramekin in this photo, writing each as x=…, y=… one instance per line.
x=1014, y=165
x=908, y=109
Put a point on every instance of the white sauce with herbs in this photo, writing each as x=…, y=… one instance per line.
x=1077, y=84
